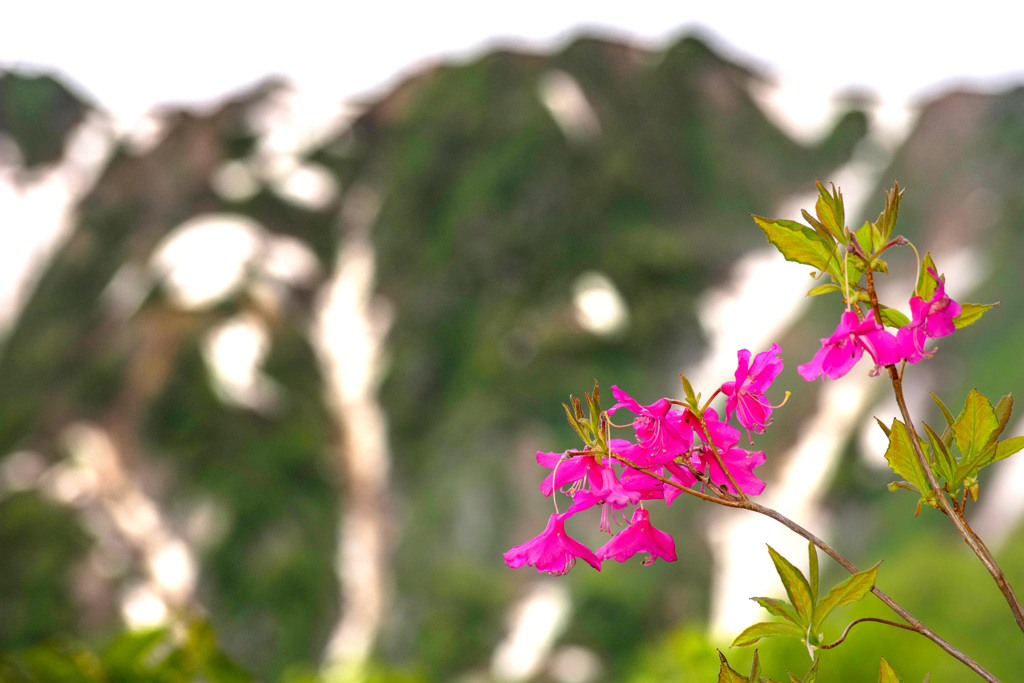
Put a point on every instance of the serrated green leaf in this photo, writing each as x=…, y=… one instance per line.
x=812, y=565
x=925, y=281
x=778, y=608
x=945, y=411
x=974, y=431
x=854, y=588
x=903, y=460
x=797, y=588
x=726, y=674
x=942, y=460
x=893, y=318
x=971, y=313
x=796, y=242
x=767, y=629
x=887, y=674
x=824, y=289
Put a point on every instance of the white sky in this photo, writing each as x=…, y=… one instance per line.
x=131, y=56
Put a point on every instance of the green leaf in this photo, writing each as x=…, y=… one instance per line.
x=767, y=629
x=778, y=608
x=796, y=586
x=812, y=565
x=903, y=460
x=1003, y=411
x=970, y=313
x=755, y=668
x=812, y=673
x=886, y=222
x=1004, y=449
x=887, y=674
x=945, y=411
x=895, y=486
x=726, y=674
x=854, y=588
x=831, y=212
x=796, y=242
x=893, y=318
x=818, y=228
x=942, y=461
x=864, y=238
x=824, y=289
x=925, y=281
x=688, y=388
x=574, y=422
x=974, y=431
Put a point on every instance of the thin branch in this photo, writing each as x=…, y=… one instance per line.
x=863, y=619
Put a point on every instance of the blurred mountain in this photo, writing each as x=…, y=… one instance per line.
x=498, y=195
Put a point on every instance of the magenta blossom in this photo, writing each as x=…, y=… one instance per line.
x=840, y=352
x=660, y=431
x=931, y=319
x=553, y=551
x=568, y=469
x=740, y=464
x=639, y=536
x=723, y=435
x=682, y=476
x=746, y=394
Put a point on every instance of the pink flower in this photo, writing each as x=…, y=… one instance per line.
x=660, y=431
x=568, y=469
x=723, y=435
x=611, y=491
x=740, y=464
x=746, y=394
x=840, y=352
x=682, y=476
x=639, y=536
x=553, y=551
x=931, y=319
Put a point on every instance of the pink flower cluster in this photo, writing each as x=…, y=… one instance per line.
x=680, y=446
x=840, y=352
